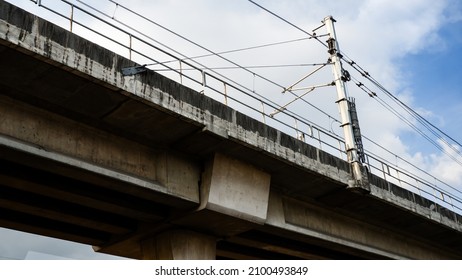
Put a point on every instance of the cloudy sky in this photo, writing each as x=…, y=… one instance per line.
x=411, y=47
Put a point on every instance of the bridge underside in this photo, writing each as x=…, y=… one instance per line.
x=86, y=161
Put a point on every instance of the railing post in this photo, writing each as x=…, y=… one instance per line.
x=204, y=82
x=181, y=72
x=263, y=112
x=319, y=139
x=226, y=94
x=399, y=178
x=418, y=187
x=71, y=19
x=383, y=170
x=130, y=46
x=452, y=203
x=366, y=157
x=296, y=128
x=340, y=148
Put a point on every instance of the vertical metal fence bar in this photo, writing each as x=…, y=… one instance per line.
x=181, y=72
x=340, y=148
x=434, y=193
x=319, y=139
x=204, y=82
x=451, y=203
x=399, y=178
x=71, y=18
x=418, y=187
x=296, y=128
x=263, y=112
x=383, y=171
x=226, y=93
x=366, y=157
x=130, y=46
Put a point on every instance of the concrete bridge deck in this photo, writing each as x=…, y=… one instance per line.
x=133, y=165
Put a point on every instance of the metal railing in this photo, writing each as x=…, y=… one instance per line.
x=124, y=39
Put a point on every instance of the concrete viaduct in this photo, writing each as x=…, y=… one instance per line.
x=145, y=168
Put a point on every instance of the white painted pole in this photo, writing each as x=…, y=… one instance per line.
x=337, y=70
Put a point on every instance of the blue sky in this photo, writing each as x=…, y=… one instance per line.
x=436, y=75
x=413, y=48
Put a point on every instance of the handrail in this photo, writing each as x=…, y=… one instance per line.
x=241, y=97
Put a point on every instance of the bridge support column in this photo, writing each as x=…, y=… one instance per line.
x=235, y=188
x=179, y=245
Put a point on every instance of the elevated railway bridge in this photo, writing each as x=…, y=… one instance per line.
x=144, y=167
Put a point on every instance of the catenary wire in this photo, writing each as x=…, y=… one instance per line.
x=424, y=122
x=314, y=36
x=405, y=120
x=235, y=67
x=235, y=50
x=396, y=99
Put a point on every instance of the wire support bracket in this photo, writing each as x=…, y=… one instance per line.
x=308, y=90
x=130, y=71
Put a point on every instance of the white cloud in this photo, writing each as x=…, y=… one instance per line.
x=446, y=168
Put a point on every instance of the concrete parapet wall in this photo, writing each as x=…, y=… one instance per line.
x=406, y=199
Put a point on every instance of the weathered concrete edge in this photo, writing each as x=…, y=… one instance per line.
x=437, y=214
x=73, y=162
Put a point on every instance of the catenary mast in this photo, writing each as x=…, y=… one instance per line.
x=349, y=128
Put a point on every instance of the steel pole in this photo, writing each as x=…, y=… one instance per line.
x=342, y=101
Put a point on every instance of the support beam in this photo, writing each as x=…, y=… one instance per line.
x=235, y=188
x=234, y=198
